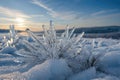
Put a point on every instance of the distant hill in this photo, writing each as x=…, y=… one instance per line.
x=6, y=30
x=103, y=29
x=98, y=32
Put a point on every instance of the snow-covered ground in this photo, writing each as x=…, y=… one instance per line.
x=52, y=57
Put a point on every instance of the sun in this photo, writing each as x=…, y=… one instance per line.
x=20, y=21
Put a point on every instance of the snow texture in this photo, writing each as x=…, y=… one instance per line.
x=58, y=57
x=85, y=75
x=49, y=70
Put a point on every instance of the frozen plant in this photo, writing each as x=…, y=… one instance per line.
x=90, y=58
x=12, y=38
x=53, y=46
x=87, y=57
x=10, y=42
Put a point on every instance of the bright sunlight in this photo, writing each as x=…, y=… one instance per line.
x=20, y=21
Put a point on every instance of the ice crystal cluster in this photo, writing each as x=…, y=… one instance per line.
x=53, y=46
x=50, y=45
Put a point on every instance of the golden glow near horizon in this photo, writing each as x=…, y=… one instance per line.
x=21, y=24
x=32, y=28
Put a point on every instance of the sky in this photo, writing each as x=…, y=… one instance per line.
x=78, y=13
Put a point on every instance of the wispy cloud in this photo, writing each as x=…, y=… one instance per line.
x=6, y=19
x=68, y=15
x=39, y=3
x=11, y=16
x=12, y=13
x=36, y=15
x=103, y=20
x=104, y=12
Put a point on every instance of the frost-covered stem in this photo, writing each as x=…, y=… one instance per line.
x=71, y=33
x=67, y=32
x=99, y=43
x=52, y=30
x=79, y=38
x=35, y=38
x=51, y=25
x=12, y=32
x=32, y=49
x=12, y=35
x=93, y=44
x=45, y=31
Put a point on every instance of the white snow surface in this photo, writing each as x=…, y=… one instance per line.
x=85, y=75
x=49, y=70
x=52, y=57
x=13, y=67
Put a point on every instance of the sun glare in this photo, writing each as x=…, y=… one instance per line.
x=20, y=21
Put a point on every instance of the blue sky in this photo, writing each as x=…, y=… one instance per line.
x=79, y=13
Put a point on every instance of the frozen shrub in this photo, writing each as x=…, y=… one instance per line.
x=13, y=38
x=53, y=46
x=87, y=57
x=92, y=58
x=8, y=43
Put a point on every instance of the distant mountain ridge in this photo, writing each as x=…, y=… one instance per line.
x=98, y=32
x=103, y=29
x=7, y=30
